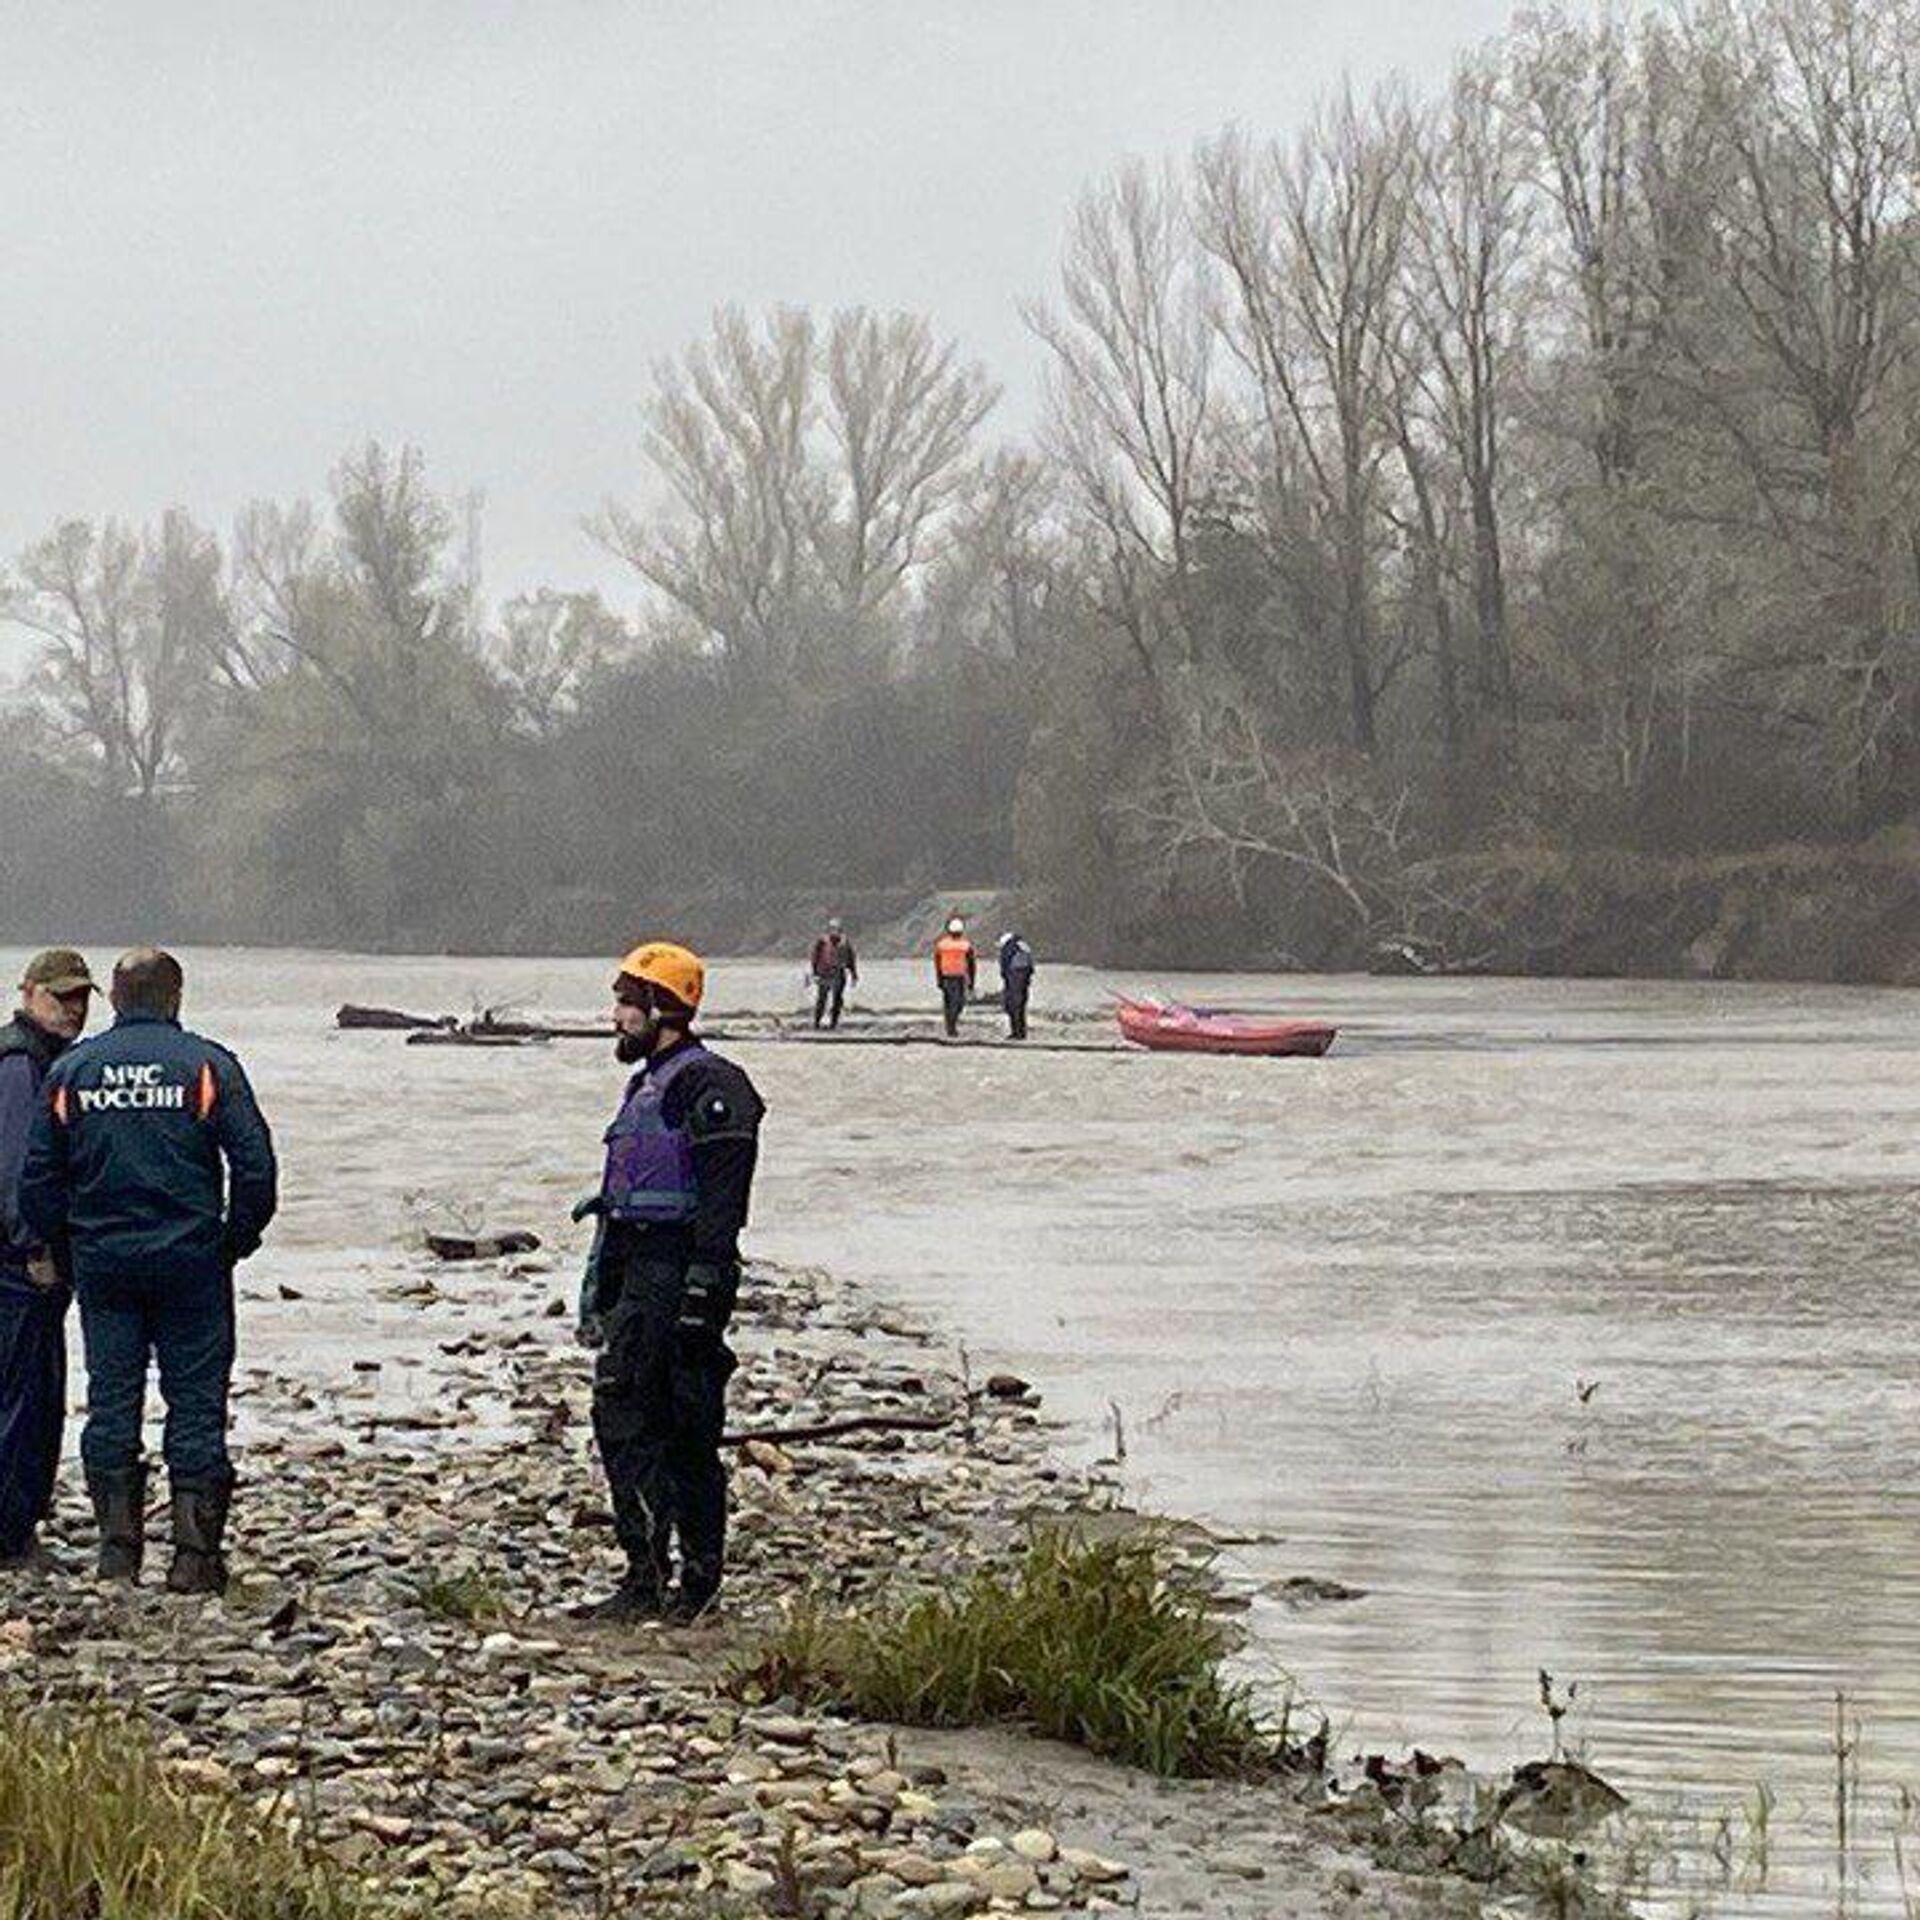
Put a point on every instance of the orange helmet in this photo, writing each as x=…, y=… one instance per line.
x=673, y=969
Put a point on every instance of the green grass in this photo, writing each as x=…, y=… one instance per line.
x=470, y=1596
x=1087, y=1641
x=93, y=1826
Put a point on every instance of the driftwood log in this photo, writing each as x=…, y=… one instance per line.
x=492, y=1023
x=833, y=1429
x=392, y=1020
x=465, y=1246
x=462, y=1037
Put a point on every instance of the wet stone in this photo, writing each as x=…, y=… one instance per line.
x=428, y=1704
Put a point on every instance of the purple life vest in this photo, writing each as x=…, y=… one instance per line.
x=649, y=1174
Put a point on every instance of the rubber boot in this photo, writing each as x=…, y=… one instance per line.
x=641, y=1595
x=199, y=1523
x=29, y=1557
x=120, y=1512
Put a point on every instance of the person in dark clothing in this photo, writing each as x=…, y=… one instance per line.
x=150, y=1172
x=1016, y=982
x=55, y=991
x=661, y=1284
x=835, y=966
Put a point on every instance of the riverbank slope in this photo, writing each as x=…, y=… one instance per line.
x=396, y=1672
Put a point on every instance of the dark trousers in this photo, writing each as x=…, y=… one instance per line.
x=185, y=1323
x=1013, y=996
x=659, y=1409
x=33, y=1405
x=953, y=999
x=829, y=995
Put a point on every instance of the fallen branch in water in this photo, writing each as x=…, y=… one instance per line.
x=391, y=1020
x=832, y=1429
x=491, y=1246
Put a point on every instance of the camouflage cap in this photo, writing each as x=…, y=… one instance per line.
x=58, y=969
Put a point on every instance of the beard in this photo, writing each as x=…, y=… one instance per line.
x=631, y=1048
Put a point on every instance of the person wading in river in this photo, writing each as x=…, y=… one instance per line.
x=152, y=1171
x=55, y=991
x=660, y=1287
x=834, y=966
x=954, y=966
x=1016, y=982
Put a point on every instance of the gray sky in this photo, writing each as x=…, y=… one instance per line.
x=242, y=235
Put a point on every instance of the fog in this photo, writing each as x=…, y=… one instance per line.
x=243, y=237
x=1253, y=493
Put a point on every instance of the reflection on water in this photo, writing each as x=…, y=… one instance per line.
x=1350, y=1303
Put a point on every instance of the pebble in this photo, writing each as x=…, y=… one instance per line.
x=783, y=1729
x=511, y=1764
x=948, y=1897
x=1091, y=1867
x=915, y=1869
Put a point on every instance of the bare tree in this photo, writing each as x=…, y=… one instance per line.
x=1131, y=400
x=393, y=542
x=1004, y=570
x=1582, y=94
x=283, y=587
x=1312, y=237
x=803, y=477
x=902, y=412
x=727, y=431
x=548, y=649
x=1621, y=170
x=1468, y=248
x=130, y=630
x=1804, y=367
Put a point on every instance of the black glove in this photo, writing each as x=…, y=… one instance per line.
x=590, y=1322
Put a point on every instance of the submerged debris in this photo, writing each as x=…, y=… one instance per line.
x=1558, y=1799
x=463, y=1246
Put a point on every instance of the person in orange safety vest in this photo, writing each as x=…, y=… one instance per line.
x=954, y=965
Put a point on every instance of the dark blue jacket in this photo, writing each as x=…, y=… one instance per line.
x=124, y=1168
x=26, y=1052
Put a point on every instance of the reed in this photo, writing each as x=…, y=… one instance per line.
x=94, y=1823
x=1080, y=1640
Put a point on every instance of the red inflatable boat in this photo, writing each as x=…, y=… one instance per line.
x=1178, y=1029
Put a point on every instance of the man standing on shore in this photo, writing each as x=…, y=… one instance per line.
x=55, y=991
x=834, y=966
x=954, y=967
x=151, y=1167
x=661, y=1285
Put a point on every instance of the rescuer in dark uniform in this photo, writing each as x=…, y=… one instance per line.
x=54, y=994
x=661, y=1284
x=150, y=1173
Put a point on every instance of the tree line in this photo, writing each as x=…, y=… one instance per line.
x=1528, y=465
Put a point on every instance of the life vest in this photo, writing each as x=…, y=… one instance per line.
x=952, y=955
x=649, y=1175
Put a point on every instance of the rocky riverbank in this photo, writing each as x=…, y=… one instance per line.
x=396, y=1672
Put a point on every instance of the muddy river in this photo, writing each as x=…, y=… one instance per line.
x=1572, y=1322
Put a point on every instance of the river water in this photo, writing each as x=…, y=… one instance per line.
x=1350, y=1304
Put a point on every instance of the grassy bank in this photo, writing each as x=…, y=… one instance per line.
x=1079, y=1640
x=93, y=1823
